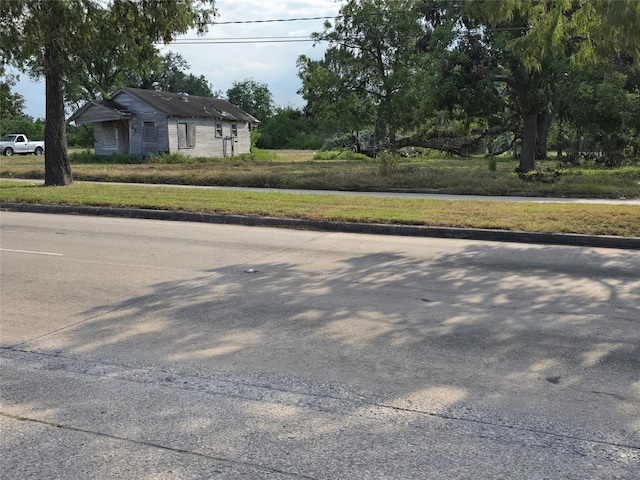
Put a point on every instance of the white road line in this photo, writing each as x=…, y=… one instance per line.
x=33, y=252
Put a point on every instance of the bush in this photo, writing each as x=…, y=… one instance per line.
x=87, y=156
x=80, y=137
x=388, y=164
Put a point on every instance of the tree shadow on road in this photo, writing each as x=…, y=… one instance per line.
x=501, y=334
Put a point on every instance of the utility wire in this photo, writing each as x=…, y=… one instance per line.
x=206, y=41
x=248, y=40
x=236, y=22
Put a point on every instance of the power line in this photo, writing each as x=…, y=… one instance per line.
x=248, y=40
x=275, y=20
x=241, y=40
x=208, y=41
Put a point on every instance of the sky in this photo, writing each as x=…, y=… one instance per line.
x=273, y=64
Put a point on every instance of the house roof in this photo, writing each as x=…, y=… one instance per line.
x=100, y=111
x=184, y=105
x=171, y=104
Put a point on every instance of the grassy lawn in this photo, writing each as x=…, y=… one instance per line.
x=622, y=220
x=302, y=170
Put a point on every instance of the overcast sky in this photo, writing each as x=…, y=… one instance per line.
x=222, y=63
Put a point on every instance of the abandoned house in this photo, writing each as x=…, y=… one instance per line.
x=148, y=122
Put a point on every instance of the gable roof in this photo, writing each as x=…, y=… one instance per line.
x=189, y=106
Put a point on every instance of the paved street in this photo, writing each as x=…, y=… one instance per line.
x=151, y=350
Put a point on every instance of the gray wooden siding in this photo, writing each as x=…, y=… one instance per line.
x=138, y=144
x=111, y=137
x=207, y=144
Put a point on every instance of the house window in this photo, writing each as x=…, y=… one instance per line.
x=234, y=130
x=186, y=135
x=218, y=130
x=109, y=134
x=149, y=132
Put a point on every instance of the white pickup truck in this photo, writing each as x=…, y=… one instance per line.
x=19, y=143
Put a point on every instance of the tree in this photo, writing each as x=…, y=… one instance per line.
x=169, y=74
x=57, y=39
x=539, y=35
x=372, y=52
x=252, y=97
x=288, y=128
x=334, y=96
x=22, y=123
x=11, y=104
x=118, y=69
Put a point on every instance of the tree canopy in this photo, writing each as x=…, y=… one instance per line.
x=59, y=39
x=485, y=66
x=11, y=103
x=169, y=73
x=368, y=65
x=253, y=97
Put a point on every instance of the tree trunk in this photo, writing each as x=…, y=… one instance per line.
x=528, y=152
x=560, y=139
x=56, y=159
x=543, y=125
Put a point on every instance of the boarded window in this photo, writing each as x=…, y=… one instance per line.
x=234, y=130
x=218, y=130
x=186, y=135
x=109, y=134
x=149, y=133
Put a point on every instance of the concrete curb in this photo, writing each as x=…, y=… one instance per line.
x=600, y=241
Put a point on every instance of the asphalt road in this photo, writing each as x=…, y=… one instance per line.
x=150, y=350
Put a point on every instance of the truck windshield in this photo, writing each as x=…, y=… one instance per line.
x=8, y=138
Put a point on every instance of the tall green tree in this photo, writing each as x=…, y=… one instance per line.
x=539, y=35
x=11, y=103
x=288, y=127
x=335, y=96
x=169, y=73
x=116, y=69
x=372, y=48
x=56, y=39
x=253, y=97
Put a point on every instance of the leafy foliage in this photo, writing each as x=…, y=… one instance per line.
x=485, y=69
x=11, y=103
x=367, y=68
x=168, y=73
x=252, y=97
x=91, y=40
x=288, y=128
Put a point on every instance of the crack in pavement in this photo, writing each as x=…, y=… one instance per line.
x=273, y=390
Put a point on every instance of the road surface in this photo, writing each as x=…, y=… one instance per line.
x=147, y=349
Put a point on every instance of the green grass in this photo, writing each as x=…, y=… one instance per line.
x=297, y=169
x=343, y=171
x=621, y=220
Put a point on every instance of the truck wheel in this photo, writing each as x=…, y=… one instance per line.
x=8, y=152
x=38, y=151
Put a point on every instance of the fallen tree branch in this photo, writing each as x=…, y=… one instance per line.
x=444, y=141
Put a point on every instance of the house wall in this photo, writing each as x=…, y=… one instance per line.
x=138, y=144
x=111, y=137
x=207, y=142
